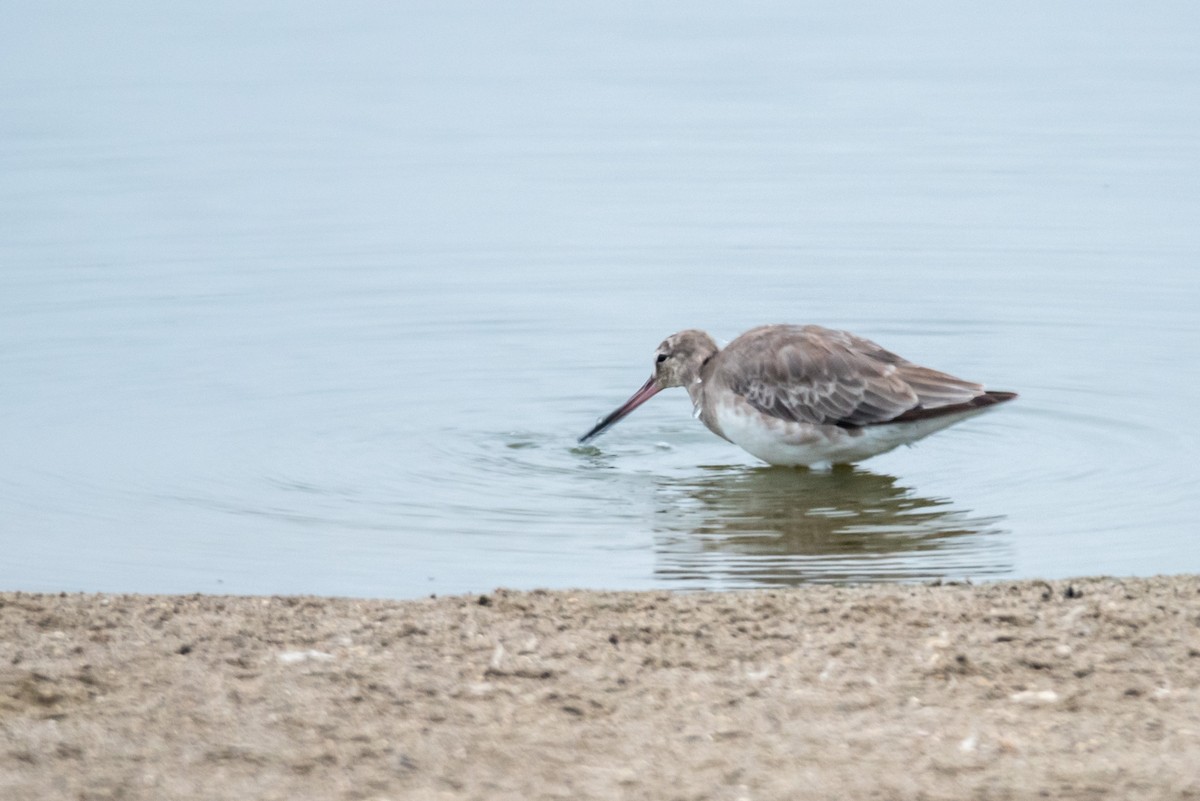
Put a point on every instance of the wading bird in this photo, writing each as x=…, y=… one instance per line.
x=807, y=395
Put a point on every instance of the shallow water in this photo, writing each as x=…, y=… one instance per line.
x=310, y=300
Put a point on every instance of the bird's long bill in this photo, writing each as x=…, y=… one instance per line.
x=648, y=391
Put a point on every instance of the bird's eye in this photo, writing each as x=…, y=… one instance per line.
x=662, y=357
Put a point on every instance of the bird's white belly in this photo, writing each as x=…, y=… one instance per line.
x=784, y=443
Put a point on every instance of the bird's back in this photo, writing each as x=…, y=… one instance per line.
x=811, y=374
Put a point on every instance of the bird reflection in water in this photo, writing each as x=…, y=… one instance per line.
x=740, y=527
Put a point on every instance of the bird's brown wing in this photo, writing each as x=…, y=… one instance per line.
x=811, y=374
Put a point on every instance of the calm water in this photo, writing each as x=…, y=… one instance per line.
x=306, y=298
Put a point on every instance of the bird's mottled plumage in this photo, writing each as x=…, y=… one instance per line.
x=810, y=374
x=807, y=395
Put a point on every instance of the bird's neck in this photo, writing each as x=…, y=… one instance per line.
x=695, y=387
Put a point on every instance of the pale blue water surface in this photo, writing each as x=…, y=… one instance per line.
x=310, y=298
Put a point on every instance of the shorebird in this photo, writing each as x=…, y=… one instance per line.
x=806, y=395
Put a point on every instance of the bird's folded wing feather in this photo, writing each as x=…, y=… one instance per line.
x=816, y=375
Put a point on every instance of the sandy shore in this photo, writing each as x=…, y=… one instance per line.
x=1080, y=689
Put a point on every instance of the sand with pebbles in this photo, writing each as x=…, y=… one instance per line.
x=1080, y=689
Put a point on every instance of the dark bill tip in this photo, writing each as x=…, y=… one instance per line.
x=647, y=391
